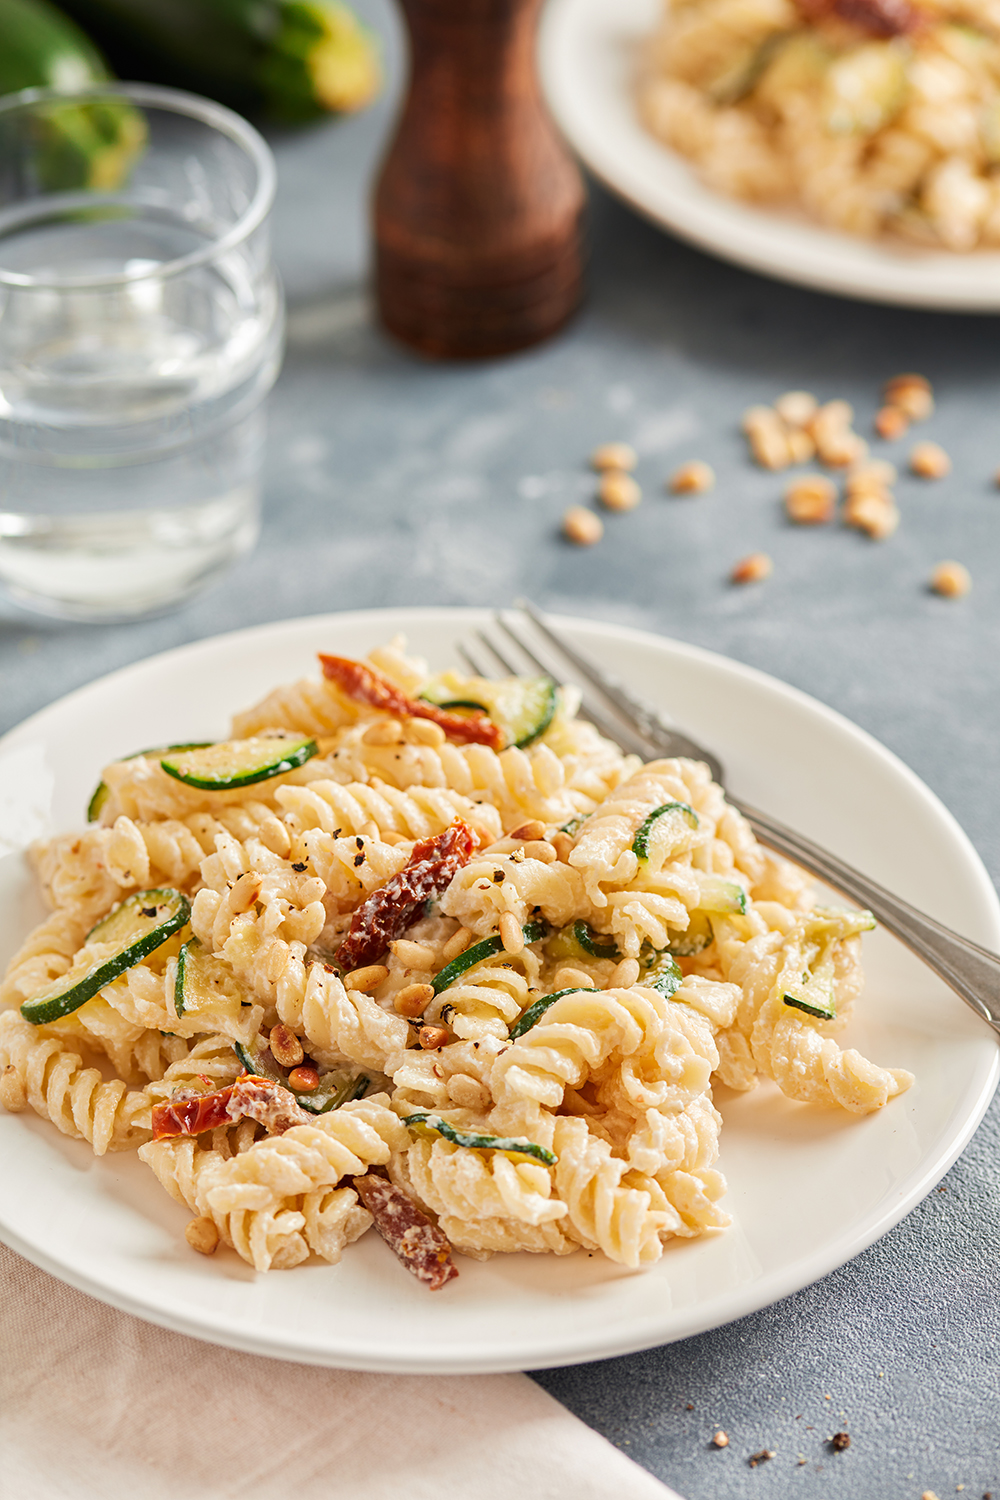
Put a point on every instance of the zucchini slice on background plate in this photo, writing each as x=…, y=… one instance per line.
x=133, y=931
x=236, y=763
x=667, y=830
x=523, y=707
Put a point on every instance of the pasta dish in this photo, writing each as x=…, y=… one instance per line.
x=424, y=952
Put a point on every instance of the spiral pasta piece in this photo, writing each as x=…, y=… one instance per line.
x=464, y=1184
x=490, y=885
x=414, y=813
x=59, y=1088
x=271, y=1202
x=610, y=1208
x=136, y=1050
x=46, y=954
x=486, y=1000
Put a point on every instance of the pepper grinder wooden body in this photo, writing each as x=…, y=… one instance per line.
x=478, y=209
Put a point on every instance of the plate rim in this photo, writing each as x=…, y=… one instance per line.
x=733, y=1304
x=750, y=236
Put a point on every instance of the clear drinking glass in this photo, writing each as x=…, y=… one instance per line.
x=140, y=330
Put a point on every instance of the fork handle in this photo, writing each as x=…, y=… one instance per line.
x=972, y=971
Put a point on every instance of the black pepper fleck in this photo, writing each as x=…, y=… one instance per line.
x=761, y=1457
x=840, y=1441
x=359, y=859
x=300, y=865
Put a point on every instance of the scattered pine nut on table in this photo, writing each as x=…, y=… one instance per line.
x=951, y=580
x=618, y=490
x=693, y=478
x=810, y=501
x=930, y=461
x=582, y=526
x=614, y=456
x=752, y=569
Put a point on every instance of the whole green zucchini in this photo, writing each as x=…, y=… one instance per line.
x=74, y=145
x=295, y=60
x=42, y=48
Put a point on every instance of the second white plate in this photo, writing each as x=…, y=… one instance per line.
x=588, y=51
x=809, y=1188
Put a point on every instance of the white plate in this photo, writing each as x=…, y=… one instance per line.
x=809, y=1187
x=588, y=51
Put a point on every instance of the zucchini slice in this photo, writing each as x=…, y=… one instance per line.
x=696, y=936
x=535, y=1012
x=333, y=1089
x=815, y=992
x=671, y=824
x=422, y=1123
x=724, y=897
x=662, y=972
x=236, y=763
x=533, y=931
x=522, y=706
x=134, y=930
x=102, y=791
x=577, y=941
x=204, y=984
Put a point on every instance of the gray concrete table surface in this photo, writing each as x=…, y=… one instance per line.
x=394, y=481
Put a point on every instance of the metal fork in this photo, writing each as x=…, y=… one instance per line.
x=971, y=970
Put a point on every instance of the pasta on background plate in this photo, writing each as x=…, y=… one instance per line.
x=424, y=952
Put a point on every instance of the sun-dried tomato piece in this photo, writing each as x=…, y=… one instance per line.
x=387, y=913
x=261, y=1099
x=421, y=1246
x=364, y=685
x=190, y=1114
x=880, y=18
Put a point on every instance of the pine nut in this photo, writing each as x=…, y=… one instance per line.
x=875, y=514
x=510, y=933
x=618, y=490
x=801, y=447
x=930, y=461
x=202, y=1235
x=951, y=580
x=626, y=974
x=425, y=732
x=811, y=500
x=843, y=449
x=368, y=978
x=413, y=955
x=563, y=845
x=285, y=1046
x=531, y=830
x=582, y=526
x=245, y=892
x=433, y=1037
x=383, y=732
x=891, y=423
x=693, y=478
x=542, y=850
x=569, y=978
x=752, y=569
x=768, y=437
x=13, y=1095
x=721, y=1439
x=414, y=999
x=912, y=395
x=797, y=408
x=456, y=944
x=614, y=456
x=304, y=1079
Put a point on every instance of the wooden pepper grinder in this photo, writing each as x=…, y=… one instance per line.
x=478, y=208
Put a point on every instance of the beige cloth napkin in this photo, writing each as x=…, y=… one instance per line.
x=97, y=1405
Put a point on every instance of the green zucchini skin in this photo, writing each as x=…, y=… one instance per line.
x=476, y=1142
x=485, y=948
x=535, y=1012
x=42, y=48
x=640, y=844
x=217, y=768
x=55, y=1002
x=257, y=56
